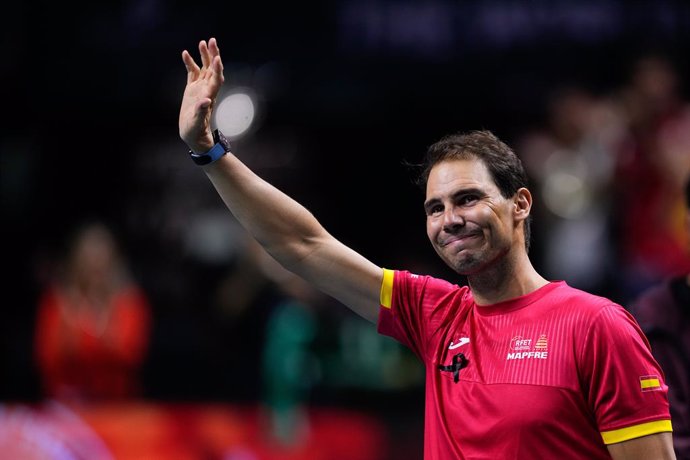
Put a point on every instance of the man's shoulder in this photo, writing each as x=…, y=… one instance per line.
x=579, y=298
x=428, y=281
x=433, y=291
x=584, y=308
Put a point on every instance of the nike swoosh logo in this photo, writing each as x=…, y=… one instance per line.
x=461, y=342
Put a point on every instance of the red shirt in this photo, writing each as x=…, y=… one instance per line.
x=86, y=356
x=557, y=373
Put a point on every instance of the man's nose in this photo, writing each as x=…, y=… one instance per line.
x=452, y=219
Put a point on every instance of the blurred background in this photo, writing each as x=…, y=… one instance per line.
x=139, y=321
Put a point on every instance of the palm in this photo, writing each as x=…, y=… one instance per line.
x=203, y=84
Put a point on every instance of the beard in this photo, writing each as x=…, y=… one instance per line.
x=465, y=262
x=468, y=264
x=472, y=261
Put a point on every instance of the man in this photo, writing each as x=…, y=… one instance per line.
x=663, y=312
x=516, y=366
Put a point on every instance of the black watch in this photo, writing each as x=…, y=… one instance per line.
x=221, y=146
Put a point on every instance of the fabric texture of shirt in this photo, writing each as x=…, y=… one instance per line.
x=557, y=373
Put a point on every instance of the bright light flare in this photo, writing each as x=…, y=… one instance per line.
x=235, y=113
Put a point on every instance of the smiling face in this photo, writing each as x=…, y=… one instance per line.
x=469, y=223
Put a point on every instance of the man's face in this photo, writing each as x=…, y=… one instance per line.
x=469, y=223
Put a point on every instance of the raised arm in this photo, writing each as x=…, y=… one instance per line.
x=287, y=230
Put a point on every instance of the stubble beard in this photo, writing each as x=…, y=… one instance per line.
x=465, y=263
x=476, y=262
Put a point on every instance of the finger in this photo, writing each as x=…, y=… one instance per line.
x=216, y=62
x=213, y=47
x=205, y=54
x=217, y=75
x=192, y=68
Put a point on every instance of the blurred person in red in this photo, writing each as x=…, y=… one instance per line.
x=663, y=312
x=652, y=163
x=93, y=323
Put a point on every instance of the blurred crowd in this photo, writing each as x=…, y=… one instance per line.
x=608, y=171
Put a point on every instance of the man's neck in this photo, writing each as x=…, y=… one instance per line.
x=507, y=279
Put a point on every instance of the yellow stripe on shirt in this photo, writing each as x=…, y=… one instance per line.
x=636, y=431
x=387, y=288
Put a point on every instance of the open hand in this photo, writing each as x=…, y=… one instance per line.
x=203, y=84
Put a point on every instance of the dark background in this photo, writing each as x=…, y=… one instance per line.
x=350, y=90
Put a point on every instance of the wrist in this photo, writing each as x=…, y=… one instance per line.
x=204, y=154
x=200, y=149
x=202, y=145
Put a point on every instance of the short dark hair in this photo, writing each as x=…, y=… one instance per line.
x=503, y=164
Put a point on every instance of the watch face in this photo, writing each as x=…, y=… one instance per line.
x=219, y=138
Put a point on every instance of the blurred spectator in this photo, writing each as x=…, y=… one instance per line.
x=92, y=328
x=571, y=159
x=663, y=312
x=239, y=303
x=50, y=431
x=652, y=164
x=289, y=361
x=288, y=348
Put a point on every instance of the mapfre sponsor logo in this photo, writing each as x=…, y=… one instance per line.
x=526, y=348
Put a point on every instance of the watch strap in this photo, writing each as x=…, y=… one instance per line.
x=220, y=148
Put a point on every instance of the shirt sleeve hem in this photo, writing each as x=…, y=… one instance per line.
x=387, y=288
x=636, y=431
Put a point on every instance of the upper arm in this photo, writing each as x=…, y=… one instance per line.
x=657, y=446
x=342, y=273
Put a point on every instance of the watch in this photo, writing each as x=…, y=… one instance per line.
x=220, y=147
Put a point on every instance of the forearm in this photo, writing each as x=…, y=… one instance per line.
x=285, y=228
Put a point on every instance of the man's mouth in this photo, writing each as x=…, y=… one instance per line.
x=457, y=239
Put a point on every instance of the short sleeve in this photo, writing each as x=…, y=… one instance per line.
x=623, y=383
x=412, y=306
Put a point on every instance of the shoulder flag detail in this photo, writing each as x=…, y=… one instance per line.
x=650, y=383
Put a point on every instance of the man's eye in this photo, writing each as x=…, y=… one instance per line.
x=435, y=210
x=468, y=199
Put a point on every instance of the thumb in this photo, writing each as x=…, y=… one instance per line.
x=204, y=104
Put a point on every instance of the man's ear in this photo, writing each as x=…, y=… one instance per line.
x=523, y=204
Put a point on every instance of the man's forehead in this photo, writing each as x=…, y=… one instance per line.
x=460, y=173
